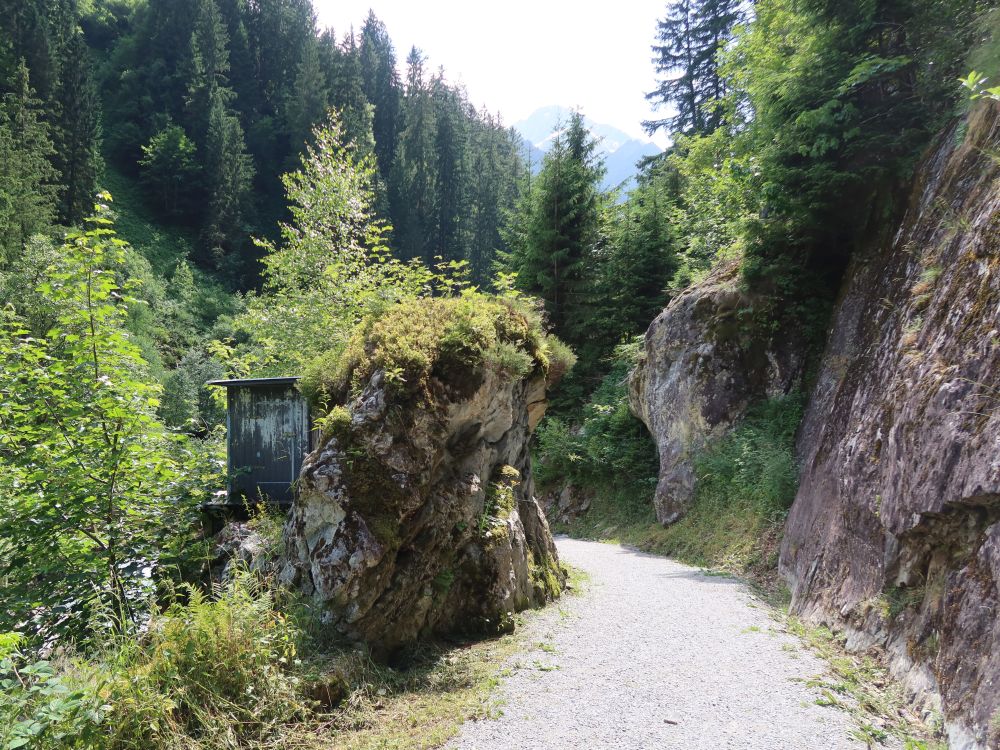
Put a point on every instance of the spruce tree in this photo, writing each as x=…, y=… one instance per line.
x=77, y=133
x=309, y=99
x=27, y=178
x=382, y=87
x=345, y=82
x=415, y=175
x=689, y=38
x=557, y=230
x=229, y=173
x=208, y=68
x=451, y=153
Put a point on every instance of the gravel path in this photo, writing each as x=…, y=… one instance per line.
x=655, y=654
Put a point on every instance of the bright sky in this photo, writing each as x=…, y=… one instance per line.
x=515, y=56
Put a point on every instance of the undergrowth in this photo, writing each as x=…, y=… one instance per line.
x=861, y=685
x=240, y=670
x=603, y=447
x=745, y=484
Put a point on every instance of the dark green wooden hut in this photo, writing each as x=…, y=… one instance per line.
x=267, y=437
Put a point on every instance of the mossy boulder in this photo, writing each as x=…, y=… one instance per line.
x=701, y=368
x=416, y=515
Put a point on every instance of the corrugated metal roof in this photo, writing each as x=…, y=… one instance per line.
x=254, y=382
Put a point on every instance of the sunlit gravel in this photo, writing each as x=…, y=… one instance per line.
x=654, y=654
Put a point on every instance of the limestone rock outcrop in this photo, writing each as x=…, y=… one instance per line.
x=698, y=373
x=567, y=503
x=417, y=516
x=895, y=532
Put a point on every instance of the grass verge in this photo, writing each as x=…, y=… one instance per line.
x=860, y=684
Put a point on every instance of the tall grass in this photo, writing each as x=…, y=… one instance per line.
x=208, y=673
x=753, y=468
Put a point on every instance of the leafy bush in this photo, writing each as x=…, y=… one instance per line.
x=91, y=478
x=610, y=450
x=332, y=269
x=753, y=467
x=42, y=708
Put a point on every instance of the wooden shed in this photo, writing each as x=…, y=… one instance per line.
x=267, y=436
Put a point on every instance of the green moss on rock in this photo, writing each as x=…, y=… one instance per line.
x=454, y=340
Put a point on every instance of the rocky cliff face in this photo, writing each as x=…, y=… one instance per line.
x=418, y=517
x=698, y=374
x=894, y=533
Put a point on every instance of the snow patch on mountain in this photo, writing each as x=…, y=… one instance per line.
x=621, y=151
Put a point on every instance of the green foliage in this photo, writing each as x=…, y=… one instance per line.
x=844, y=101
x=42, y=707
x=976, y=84
x=27, y=178
x=91, y=477
x=209, y=672
x=753, y=467
x=170, y=171
x=332, y=268
x=609, y=450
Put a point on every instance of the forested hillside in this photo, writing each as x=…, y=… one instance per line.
x=205, y=104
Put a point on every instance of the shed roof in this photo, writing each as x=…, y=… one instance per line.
x=255, y=382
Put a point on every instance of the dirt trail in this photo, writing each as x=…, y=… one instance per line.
x=658, y=655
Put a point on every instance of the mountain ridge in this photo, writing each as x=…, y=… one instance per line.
x=621, y=151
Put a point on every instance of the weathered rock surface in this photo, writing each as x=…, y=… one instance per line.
x=419, y=519
x=894, y=534
x=566, y=503
x=698, y=374
x=239, y=547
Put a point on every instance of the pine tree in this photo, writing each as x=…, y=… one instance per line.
x=27, y=177
x=558, y=229
x=689, y=38
x=77, y=134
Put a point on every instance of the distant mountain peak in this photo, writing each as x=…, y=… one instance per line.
x=620, y=150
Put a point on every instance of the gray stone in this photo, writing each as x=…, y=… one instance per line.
x=419, y=518
x=895, y=532
x=698, y=373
